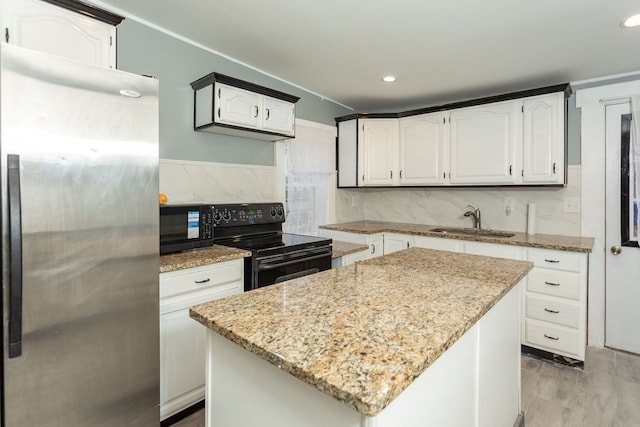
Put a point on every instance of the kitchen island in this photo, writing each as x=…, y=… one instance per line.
x=413, y=337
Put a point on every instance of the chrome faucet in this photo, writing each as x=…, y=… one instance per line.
x=475, y=214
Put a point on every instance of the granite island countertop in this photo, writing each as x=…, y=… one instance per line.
x=544, y=241
x=200, y=257
x=362, y=333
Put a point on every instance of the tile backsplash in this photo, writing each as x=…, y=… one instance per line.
x=203, y=182
x=446, y=206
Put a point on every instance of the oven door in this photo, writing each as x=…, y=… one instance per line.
x=278, y=268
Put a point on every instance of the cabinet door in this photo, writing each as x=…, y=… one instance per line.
x=41, y=26
x=376, y=245
x=396, y=242
x=378, y=145
x=277, y=115
x=494, y=250
x=451, y=245
x=236, y=106
x=543, y=144
x=182, y=360
x=483, y=143
x=423, y=149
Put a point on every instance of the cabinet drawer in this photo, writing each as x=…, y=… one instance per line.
x=553, y=310
x=551, y=337
x=556, y=260
x=555, y=283
x=194, y=279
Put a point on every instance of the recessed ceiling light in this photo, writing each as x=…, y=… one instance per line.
x=632, y=21
x=389, y=79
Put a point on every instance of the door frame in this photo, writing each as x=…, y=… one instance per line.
x=592, y=102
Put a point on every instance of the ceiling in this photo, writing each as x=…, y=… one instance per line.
x=440, y=51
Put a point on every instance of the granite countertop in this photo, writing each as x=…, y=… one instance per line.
x=345, y=248
x=199, y=257
x=544, y=241
x=362, y=333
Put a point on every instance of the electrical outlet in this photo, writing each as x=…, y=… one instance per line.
x=572, y=204
x=509, y=205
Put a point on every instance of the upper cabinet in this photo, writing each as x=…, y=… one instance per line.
x=543, y=139
x=230, y=106
x=67, y=28
x=378, y=148
x=507, y=140
x=424, y=155
x=483, y=143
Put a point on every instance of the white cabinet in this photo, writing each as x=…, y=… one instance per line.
x=183, y=340
x=494, y=250
x=521, y=141
x=230, y=106
x=543, y=139
x=451, y=245
x=483, y=145
x=378, y=152
x=42, y=26
x=350, y=258
x=424, y=144
x=555, y=302
x=394, y=242
x=278, y=115
x=235, y=106
x=374, y=241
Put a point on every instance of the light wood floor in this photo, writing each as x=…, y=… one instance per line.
x=605, y=394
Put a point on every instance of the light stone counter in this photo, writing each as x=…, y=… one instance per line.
x=363, y=333
x=345, y=248
x=544, y=241
x=199, y=257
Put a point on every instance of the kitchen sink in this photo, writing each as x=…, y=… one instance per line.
x=472, y=232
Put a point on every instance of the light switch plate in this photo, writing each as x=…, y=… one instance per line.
x=572, y=204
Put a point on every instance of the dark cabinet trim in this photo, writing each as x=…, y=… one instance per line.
x=252, y=87
x=565, y=87
x=88, y=10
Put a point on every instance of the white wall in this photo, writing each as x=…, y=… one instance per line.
x=446, y=206
x=592, y=102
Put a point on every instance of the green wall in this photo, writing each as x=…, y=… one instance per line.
x=144, y=50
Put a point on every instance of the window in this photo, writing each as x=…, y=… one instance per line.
x=310, y=178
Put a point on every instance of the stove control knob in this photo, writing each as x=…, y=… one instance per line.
x=226, y=215
x=273, y=211
x=217, y=216
x=280, y=211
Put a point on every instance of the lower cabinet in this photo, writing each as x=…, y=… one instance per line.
x=394, y=242
x=350, y=258
x=374, y=241
x=555, y=317
x=554, y=300
x=183, y=340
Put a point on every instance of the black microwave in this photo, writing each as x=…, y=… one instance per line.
x=185, y=227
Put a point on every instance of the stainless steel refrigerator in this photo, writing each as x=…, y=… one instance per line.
x=79, y=148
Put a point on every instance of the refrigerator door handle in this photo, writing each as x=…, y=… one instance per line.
x=15, y=256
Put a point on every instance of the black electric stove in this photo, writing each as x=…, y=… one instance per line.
x=276, y=256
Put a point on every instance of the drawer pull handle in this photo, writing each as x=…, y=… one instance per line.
x=551, y=283
x=551, y=338
x=202, y=281
x=551, y=311
x=553, y=261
